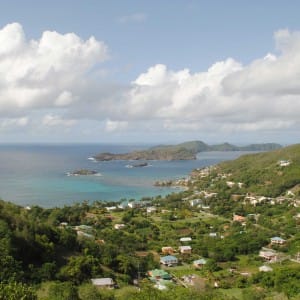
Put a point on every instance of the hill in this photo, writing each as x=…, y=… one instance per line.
x=183, y=151
x=269, y=173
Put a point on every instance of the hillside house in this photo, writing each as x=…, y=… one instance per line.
x=238, y=218
x=151, y=209
x=169, y=260
x=119, y=226
x=265, y=269
x=167, y=250
x=185, y=249
x=284, y=163
x=199, y=263
x=268, y=255
x=185, y=239
x=276, y=240
x=158, y=274
x=103, y=282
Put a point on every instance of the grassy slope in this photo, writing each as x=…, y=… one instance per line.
x=261, y=172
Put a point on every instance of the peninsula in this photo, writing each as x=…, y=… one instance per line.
x=183, y=151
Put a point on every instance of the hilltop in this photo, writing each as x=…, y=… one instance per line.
x=183, y=151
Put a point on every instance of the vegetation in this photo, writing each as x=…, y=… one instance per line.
x=54, y=253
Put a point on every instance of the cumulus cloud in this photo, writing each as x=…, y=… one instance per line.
x=111, y=126
x=264, y=95
x=13, y=124
x=43, y=73
x=51, y=76
x=50, y=120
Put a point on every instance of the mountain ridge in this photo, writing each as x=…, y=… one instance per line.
x=183, y=151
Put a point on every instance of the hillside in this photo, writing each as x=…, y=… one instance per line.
x=54, y=253
x=268, y=173
x=183, y=151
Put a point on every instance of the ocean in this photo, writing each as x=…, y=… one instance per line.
x=37, y=174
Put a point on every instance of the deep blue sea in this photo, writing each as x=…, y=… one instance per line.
x=36, y=174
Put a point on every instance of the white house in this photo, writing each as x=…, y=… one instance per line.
x=103, y=282
x=185, y=249
x=185, y=239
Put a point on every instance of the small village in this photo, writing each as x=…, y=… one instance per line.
x=178, y=260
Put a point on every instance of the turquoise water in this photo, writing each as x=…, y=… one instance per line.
x=36, y=174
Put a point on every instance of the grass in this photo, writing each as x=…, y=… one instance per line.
x=235, y=292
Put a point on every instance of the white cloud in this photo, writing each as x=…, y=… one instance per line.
x=111, y=126
x=264, y=95
x=43, y=73
x=50, y=120
x=51, y=76
x=14, y=123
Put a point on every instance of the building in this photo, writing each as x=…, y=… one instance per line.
x=277, y=240
x=151, y=209
x=265, y=269
x=284, y=163
x=103, y=282
x=185, y=239
x=169, y=260
x=167, y=250
x=185, y=249
x=238, y=218
x=199, y=263
x=119, y=226
x=268, y=255
x=158, y=274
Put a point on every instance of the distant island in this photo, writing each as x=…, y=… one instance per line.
x=183, y=151
x=82, y=172
x=138, y=165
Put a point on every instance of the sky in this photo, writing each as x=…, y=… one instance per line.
x=93, y=71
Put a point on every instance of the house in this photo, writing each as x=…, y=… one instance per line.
x=238, y=218
x=185, y=249
x=123, y=205
x=151, y=209
x=167, y=250
x=119, y=226
x=284, y=163
x=277, y=240
x=195, y=202
x=158, y=274
x=265, y=269
x=133, y=204
x=103, y=282
x=169, y=260
x=268, y=255
x=110, y=208
x=185, y=239
x=199, y=263
x=213, y=234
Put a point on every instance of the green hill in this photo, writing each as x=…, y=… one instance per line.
x=183, y=151
x=265, y=173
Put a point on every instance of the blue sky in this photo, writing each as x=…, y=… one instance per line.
x=153, y=71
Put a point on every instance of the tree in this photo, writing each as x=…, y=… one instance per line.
x=62, y=290
x=16, y=291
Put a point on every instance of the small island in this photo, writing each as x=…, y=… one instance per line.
x=82, y=172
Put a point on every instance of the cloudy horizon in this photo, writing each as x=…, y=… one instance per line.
x=63, y=87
